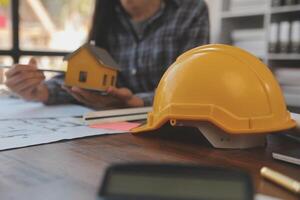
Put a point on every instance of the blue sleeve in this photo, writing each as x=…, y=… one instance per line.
x=147, y=97
x=56, y=94
x=197, y=31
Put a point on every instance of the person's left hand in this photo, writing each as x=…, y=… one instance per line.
x=116, y=97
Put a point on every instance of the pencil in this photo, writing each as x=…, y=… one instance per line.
x=281, y=179
x=42, y=70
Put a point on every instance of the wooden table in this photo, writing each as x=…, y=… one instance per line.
x=73, y=169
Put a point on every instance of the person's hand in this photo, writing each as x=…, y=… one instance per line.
x=116, y=97
x=27, y=82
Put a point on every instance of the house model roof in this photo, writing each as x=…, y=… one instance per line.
x=101, y=55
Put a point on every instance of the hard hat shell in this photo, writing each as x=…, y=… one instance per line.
x=221, y=84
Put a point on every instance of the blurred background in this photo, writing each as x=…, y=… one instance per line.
x=48, y=29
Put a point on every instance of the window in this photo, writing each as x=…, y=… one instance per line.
x=46, y=62
x=104, y=80
x=1, y=76
x=112, y=80
x=5, y=25
x=43, y=27
x=82, y=77
x=59, y=25
x=4, y=61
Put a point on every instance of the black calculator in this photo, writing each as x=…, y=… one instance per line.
x=144, y=181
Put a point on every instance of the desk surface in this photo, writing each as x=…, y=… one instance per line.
x=73, y=169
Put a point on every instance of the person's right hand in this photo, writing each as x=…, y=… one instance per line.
x=27, y=82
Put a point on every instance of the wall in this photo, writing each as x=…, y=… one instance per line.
x=214, y=12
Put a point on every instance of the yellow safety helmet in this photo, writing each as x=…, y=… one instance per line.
x=221, y=84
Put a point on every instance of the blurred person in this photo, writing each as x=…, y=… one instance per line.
x=143, y=36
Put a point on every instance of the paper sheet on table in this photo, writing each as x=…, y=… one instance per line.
x=296, y=117
x=12, y=108
x=16, y=133
x=264, y=197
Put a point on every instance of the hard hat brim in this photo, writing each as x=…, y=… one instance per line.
x=249, y=129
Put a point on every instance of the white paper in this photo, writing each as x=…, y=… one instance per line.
x=264, y=197
x=274, y=31
x=24, y=123
x=117, y=115
x=284, y=33
x=16, y=133
x=296, y=117
x=295, y=35
x=13, y=108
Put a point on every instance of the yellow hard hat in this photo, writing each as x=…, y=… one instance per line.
x=221, y=84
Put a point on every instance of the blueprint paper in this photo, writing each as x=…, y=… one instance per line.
x=13, y=108
x=16, y=133
x=24, y=123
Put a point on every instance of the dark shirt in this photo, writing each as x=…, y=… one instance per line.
x=143, y=58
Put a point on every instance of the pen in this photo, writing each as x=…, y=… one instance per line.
x=281, y=179
x=127, y=114
x=43, y=70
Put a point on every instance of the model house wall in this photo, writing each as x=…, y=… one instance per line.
x=85, y=71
